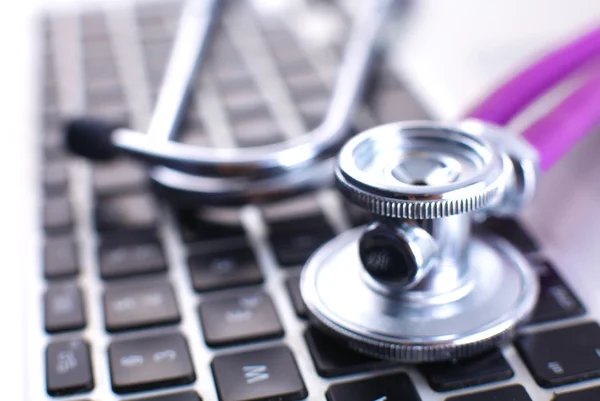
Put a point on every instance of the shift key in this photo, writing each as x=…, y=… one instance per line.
x=68, y=368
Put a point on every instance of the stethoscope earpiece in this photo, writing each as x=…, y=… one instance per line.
x=91, y=138
x=417, y=285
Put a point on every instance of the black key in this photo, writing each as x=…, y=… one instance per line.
x=119, y=177
x=514, y=232
x=64, y=309
x=293, y=287
x=55, y=177
x=184, y=396
x=224, y=269
x=306, y=86
x=239, y=319
x=257, y=131
x=195, y=229
x=149, y=363
x=127, y=259
x=60, y=257
x=508, y=393
x=265, y=374
x=587, y=394
x=312, y=111
x=250, y=112
x=556, y=300
x=487, y=368
x=68, y=368
x=125, y=212
x=243, y=99
x=391, y=387
x=294, y=241
x=134, y=306
x=52, y=142
x=332, y=359
x=562, y=356
x=58, y=216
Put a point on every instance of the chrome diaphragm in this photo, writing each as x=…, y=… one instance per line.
x=418, y=284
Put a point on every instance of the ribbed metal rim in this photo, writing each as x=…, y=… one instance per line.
x=476, y=193
x=421, y=209
x=412, y=353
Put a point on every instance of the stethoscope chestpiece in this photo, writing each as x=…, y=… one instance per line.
x=417, y=285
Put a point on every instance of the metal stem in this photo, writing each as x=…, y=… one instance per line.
x=191, y=42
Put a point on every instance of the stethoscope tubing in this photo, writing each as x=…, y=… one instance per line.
x=556, y=132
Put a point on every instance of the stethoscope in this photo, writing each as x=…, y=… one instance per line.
x=421, y=282
x=193, y=175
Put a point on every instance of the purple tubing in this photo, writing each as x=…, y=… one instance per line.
x=555, y=134
x=508, y=100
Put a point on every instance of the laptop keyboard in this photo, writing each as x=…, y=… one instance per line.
x=166, y=304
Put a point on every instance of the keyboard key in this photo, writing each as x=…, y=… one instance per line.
x=332, y=359
x=257, y=131
x=134, y=306
x=125, y=212
x=57, y=214
x=265, y=374
x=253, y=111
x=509, y=393
x=68, y=368
x=514, y=232
x=60, y=257
x=487, y=368
x=561, y=356
x=224, y=269
x=64, y=309
x=121, y=260
x=184, y=396
x=313, y=110
x=306, y=86
x=150, y=363
x=239, y=319
x=243, y=100
x=581, y=395
x=392, y=387
x=294, y=241
x=556, y=300
x=119, y=176
x=196, y=230
x=293, y=287
x=55, y=177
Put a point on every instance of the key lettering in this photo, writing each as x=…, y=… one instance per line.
x=124, y=304
x=130, y=361
x=222, y=265
x=63, y=304
x=165, y=355
x=251, y=301
x=555, y=367
x=152, y=300
x=562, y=297
x=255, y=373
x=238, y=315
x=66, y=361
